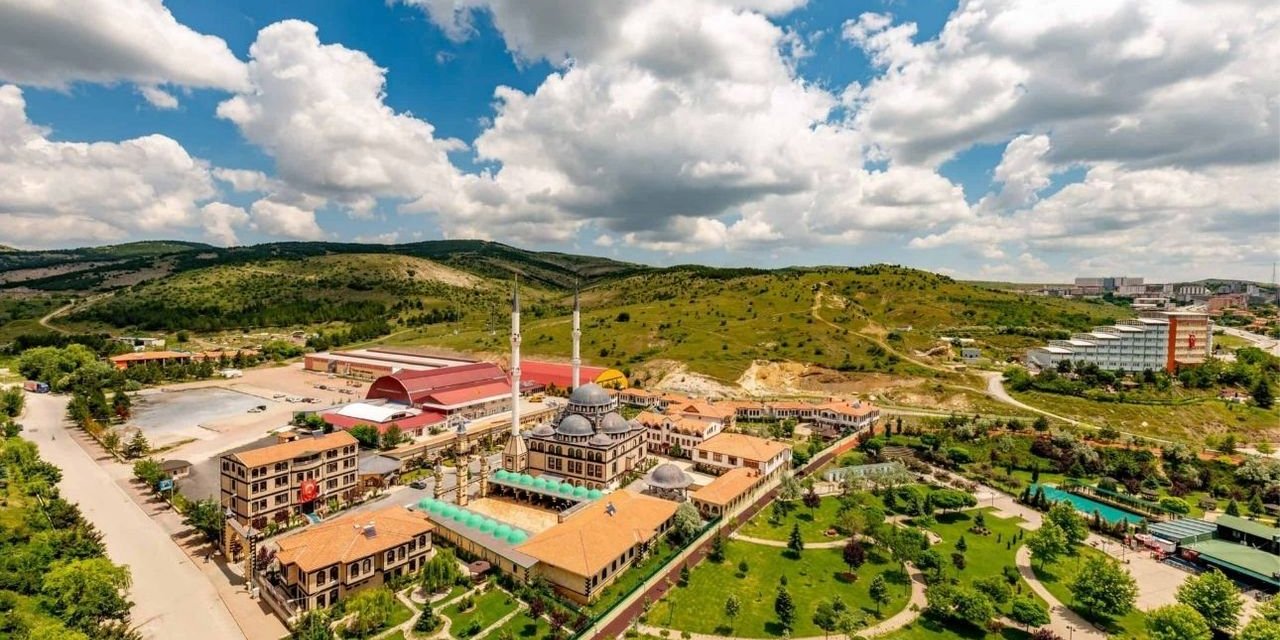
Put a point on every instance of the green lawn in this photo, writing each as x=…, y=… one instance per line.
x=1188, y=422
x=399, y=615
x=813, y=577
x=929, y=629
x=986, y=555
x=813, y=523
x=524, y=627
x=489, y=608
x=1057, y=576
x=398, y=635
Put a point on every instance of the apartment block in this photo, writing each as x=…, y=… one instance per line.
x=1157, y=340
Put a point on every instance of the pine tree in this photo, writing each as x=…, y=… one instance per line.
x=794, y=541
x=784, y=607
x=1233, y=508
x=1262, y=393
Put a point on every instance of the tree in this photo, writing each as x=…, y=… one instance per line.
x=1265, y=624
x=148, y=471
x=1070, y=521
x=366, y=435
x=686, y=523
x=111, y=440
x=784, y=607
x=951, y=499
x=1029, y=612
x=205, y=516
x=795, y=543
x=121, y=405
x=440, y=572
x=1262, y=393
x=732, y=607
x=1215, y=598
x=811, y=499
x=86, y=593
x=137, y=446
x=879, y=591
x=717, y=548
x=1041, y=424
x=1047, y=543
x=1233, y=508
x=825, y=618
x=1103, y=587
x=854, y=554
x=427, y=622
x=370, y=610
x=313, y=625
x=393, y=437
x=1177, y=622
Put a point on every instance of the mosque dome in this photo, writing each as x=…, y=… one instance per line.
x=600, y=440
x=543, y=430
x=669, y=476
x=590, y=395
x=574, y=425
x=614, y=423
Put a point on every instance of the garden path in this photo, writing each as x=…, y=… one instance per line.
x=1062, y=619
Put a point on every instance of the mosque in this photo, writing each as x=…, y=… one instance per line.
x=555, y=509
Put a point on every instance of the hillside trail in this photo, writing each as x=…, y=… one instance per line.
x=44, y=322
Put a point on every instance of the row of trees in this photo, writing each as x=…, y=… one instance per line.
x=55, y=578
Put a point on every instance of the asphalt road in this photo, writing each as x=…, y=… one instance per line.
x=172, y=598
x=1262, y=342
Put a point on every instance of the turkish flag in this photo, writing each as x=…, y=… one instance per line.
x=308, y=491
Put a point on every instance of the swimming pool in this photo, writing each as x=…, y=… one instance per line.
x=1088, y=506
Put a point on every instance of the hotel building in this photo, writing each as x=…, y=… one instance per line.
x=1157, y=340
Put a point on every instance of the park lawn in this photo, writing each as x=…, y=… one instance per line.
x=813, y=523
x=1058, y=575
x=524, y=627
x=399, y=615
x=813, y=577
x=489, y=607
x=929, y=629
x=986, y=555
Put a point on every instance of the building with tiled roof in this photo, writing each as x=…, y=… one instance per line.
x=328, y=561
x=676, y=435
x=732, y=450
x=593, y=546
x=272, y=483
x=727, y=492
x=590, y=444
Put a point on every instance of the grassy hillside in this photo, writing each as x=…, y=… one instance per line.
x=112, y=267
x=718, y=321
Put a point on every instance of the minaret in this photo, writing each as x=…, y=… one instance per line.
x=577, y=337
x=515, y=456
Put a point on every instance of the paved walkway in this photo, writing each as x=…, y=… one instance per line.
x=172, y=598
x=832, y=544
x=1062, y=619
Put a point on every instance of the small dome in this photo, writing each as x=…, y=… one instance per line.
x=461, y=515
x=539, y=483
x=474, y=520
x=543, y=430
x=614, y=423
x=595, y=494
x=574, y=425
x=501, y=474
x=600, y=440
x=425, y=504
x=517, y=536
x=669, y=476
x=488, y=525
x=448, y=511
x=436, y=507
x=580, y=493
x=590, y=395
x=526, y=479
x=566, y=489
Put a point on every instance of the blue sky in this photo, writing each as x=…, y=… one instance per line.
x=998, y=143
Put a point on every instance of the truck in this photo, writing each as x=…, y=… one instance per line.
x=36, y=387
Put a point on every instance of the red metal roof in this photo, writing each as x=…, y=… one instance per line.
x=558, y=373
x=414, y=387
x=468, y=393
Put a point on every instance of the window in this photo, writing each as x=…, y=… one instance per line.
x=368, y=565
x=353, y=570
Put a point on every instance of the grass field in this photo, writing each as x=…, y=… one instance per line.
x=489, y=607
x=929, y=629
x=399, y=615
x=811, y=578
x=987, y=555
x=813, y=523
x=523, y=627
x=1058, y=575
x=1189, y=422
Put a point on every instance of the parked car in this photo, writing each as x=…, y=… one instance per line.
x=418, y=484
